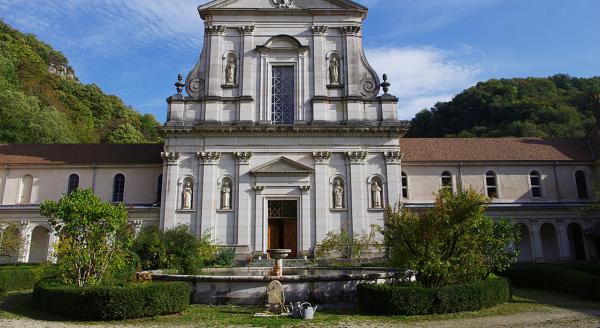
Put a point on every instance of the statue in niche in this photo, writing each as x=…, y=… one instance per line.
x=376, y=195
x=226, y=196
x=230, y=70
x=187, y=195
x=338, y=194
x=334, y=70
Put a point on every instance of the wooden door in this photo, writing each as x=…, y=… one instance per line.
x=282, y=226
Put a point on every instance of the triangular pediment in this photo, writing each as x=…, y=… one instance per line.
x=271, y=4
x=282, y=166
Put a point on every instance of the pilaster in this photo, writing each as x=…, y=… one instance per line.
x=322, y=197
x=536, y=236
x=563, y=241
x=306, y=225
x=215, y=69
x=260, y=241
x=244, y=206
x=169, y=191
x=319, y=65
x=352, y=61
x=247, y=78
x=25, y=229
x=393, y=160
x=209, y=162
x=358, y=200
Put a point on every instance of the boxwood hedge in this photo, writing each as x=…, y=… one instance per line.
x=414, y=300
x=22, y=276
x=112, y=302
x=577, y=280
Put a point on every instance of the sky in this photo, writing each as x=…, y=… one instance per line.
x=430, y=49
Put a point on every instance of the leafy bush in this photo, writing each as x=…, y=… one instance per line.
x=94, y=237
x=453, y=243
x=11, y=241
x=415, y=300
x=354, y=247
x=149, y=247
x=181, y=250
x=112, y=302
x=225, y=257
x=557, y=277
x=23, y=276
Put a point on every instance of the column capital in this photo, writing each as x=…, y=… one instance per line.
x=246, y=29
x=242, y=157
x=350, y=29
x=319, y=29
x=393, y=157
x=258, y=188
x=209, y=157
x=215, y=29
x=305, y=189
x=24, y=225
x=322, y=157
x=356, y=157
x=170, y=158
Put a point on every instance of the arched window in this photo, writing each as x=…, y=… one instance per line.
x=582, y=191
x=491, y=185
x=447, y=180
x=26, y=187
x=159, y=189
x=404, y=185
x=73, y=183
x=535, y=180
x=118, y=188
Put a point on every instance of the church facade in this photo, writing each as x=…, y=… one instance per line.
x=284, y=133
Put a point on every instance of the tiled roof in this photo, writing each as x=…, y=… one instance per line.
x=81, y=154
x=495, y=149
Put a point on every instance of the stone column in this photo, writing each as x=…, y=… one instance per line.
x=247, y=79
x=208, y=195
x=536, y=237
x=563, y=241
x=25, y=229
x=358, y=198
x=260, y=243
x=169, y=197
x=305, y=221
x=244, y=209
x=322, y=195
x=393, y=176
x=52, y=241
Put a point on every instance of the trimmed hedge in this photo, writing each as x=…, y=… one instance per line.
x=112, y=302
x=414, y=300
x=562, y=278
x=22, y=276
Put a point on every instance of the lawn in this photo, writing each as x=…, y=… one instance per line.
x=528, y=308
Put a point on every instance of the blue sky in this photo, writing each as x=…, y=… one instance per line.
x=431, y=49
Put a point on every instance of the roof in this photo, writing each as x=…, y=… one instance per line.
x=81, y=154
x=495, y=149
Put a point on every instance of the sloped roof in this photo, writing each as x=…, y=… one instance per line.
x=282, y=166
x=495, y=149
x=81, y=154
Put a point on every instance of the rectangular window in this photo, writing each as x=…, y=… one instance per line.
x=404, y=186
x=283, y=94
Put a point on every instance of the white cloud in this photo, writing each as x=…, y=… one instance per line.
x=422, y=76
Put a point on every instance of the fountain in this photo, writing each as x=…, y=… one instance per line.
x=278, y=255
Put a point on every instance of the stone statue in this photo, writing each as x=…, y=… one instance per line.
x=376, y=195
x=334, y=71
x=226, y=196
x=230, y=70
x=187, y=196
x=338, y=195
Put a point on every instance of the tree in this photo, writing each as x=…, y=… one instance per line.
x=11, y=241
x=125, y=134
x=454, y=242
x=94, y=237
x=344, y=245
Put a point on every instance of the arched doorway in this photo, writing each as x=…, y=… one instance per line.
x=576, y=242
x=40, y=240
x=525, y=254
x=549, y=242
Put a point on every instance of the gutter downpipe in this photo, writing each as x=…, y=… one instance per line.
x=94, y=178
x=556, y=184
x=460, y=176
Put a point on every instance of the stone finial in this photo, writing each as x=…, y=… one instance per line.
x=179, y=85
x=385, y=84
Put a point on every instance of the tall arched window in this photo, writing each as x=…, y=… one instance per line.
x=491, y=185
x=118, y=188
x=535, y=180
x=26, y=187
x=580, y=181
x=73, y=183
x=447, y=180
x=404, y=185
x=159, y=189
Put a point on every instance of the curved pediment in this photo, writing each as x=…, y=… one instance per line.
x=282, y=166
x=282, y=42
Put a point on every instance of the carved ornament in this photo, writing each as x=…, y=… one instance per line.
x=305, y=188
x=209, y=157
x=350, y=29
x=170, y=158
x=215, y=29
x=258, y=188
x=247, y=29
x=322, y=157
x=356, y=157
x=320, y=29
x=242, y=157
x=393, y=157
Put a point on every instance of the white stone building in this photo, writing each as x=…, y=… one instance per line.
x=285, y=135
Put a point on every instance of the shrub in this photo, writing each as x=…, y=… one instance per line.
x=225, y=257
x=23, y=276
x=181, y=250
x=354, y=247
x=415, y=300
x=112, y=302
x=149, y=248
x=562, y=278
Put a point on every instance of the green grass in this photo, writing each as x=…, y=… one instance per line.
x=19, y=305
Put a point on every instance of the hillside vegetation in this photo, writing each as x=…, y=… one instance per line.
x=557, y=106
x=37, y=106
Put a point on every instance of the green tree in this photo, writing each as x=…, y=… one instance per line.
x=454, y=242
x=94, y=237
x=11, y=241
x=125, y=134
x=342, y=244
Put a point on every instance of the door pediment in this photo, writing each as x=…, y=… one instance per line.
x=282, y=166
